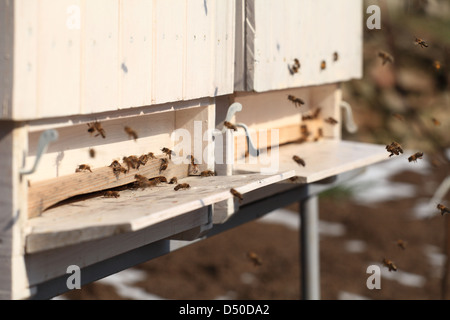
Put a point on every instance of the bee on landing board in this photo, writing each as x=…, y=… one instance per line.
x=235, y=193
x=194, y=164
x=96, y=126
x=421, y=43
x=254, y=258
x=389, y=264
x=415, y=156
x=164, y=164
x=131, y=133
x=174, y=180
x=385, y=57
x=117, y=168
x=111, y=194
x=207, y=173
x=229, y=125
x=143, y=159
x=182, y=186
x=83, y=167
x=296, y=101
x=168, y=152
x=299, y=160
x=443, y=209
x=131, y=162
x=143, y=182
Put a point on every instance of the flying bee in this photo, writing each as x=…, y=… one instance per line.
x=398, y=116
x=83, y=167
x=323, y=65
x=235, y=193
x=401, y=244
x=437, y=64
x=331, y=120
x=182, y=186
x=389, y=264
x=164, y=164
x=207, y=173
x=131, y=133
x=96, y=126
x=415, y=156
x=394, y=148
x=421, y=43
x=385, y=57
x=443, y=209
x=168, y=152
x=229, y=125
x=254, y=258
x=436, y=122
x=297, y=101
x=91, y=153
x=174, y=180
x=299, y=160
x=111, y=194
x=335, y=56
x=304, y=131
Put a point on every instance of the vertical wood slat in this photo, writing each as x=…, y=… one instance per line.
x=13, y=204
x=6, y=56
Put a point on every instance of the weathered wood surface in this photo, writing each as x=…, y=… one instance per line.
x=101, y=217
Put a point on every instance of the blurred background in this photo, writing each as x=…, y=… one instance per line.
x=387, y=212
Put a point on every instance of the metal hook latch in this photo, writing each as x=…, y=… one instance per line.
x=44, y=140
x=236, y=107
x=349, y=121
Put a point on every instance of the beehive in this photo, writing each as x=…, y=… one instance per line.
x=165, y=69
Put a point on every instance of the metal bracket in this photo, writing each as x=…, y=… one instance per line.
x=44, y=140
x=232, y=109
x=349, y=122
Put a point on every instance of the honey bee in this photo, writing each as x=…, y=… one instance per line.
x=299, y=160
x=443, y=209
x=207, y=173
x=164, y=164
x=421, y=43
x=140, y=177
x=398, y=116
x=92, y=153
x=151, y=155
x=143, y=182
x=295, y=67
x=235, y=193
x=437, y=64
x=229, y=125
x=294, y=179
x=323, y=65
x=174, y=180
x=297, y=101
x=117, y=168
x=401, y=244
x=331, y=120
x=111, y=194
x=436, y=122
x=389, y=264
x=335, y=56
x=131, y=162
x=415, y=156
x=182, y=186
x=254, y=258
x=168, y=152
x=385, y=57
x=96, y=126
x=83, y=167
x=304, y=130
x=394, y=148
x=160, y=179
x=312, y=116
x=143, y=159
x=131, y=133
